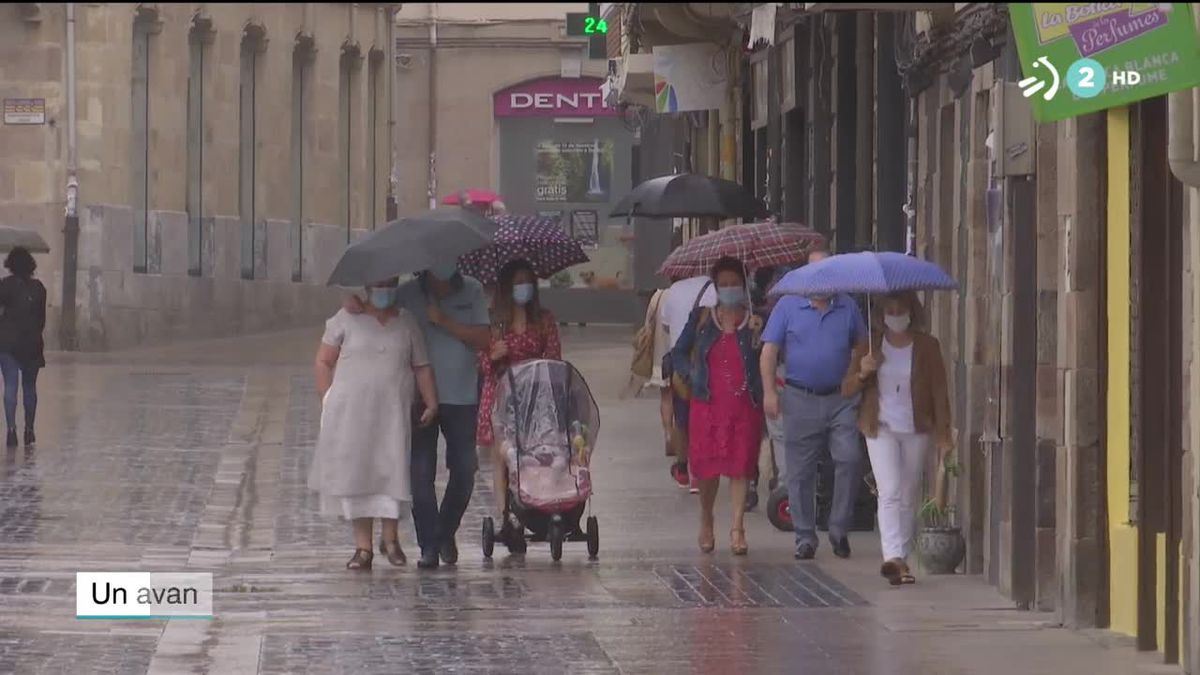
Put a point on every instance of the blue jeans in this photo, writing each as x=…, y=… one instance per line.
x=810, y=423
x=437, y=525
x=26, y=378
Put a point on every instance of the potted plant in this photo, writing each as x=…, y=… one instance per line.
x=562, y=280
x=940, y=544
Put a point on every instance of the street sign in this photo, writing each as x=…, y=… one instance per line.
x=1080, y=58
x=24, y=111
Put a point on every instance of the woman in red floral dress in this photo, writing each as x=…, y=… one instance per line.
x=521, y=330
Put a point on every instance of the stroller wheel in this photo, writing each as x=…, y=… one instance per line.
x=489, y=536
x=778, y=511
x=555, y=535
x=593, y=537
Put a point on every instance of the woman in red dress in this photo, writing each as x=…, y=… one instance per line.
x=521, y=330
x=715, y=357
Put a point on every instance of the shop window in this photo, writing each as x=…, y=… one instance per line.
x=347, y=79
x=143, y=32
x=200, y=38
x=302, y=60
x=253, y=43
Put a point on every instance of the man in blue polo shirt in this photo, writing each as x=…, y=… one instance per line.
x=818, y=334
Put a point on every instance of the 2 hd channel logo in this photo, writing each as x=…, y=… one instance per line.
x=1086, y=78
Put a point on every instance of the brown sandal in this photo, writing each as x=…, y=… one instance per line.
x=395, y=556
x=893, y=571
x=707, y=540
x=361, y=560
x=738, y=545
x=906, y=576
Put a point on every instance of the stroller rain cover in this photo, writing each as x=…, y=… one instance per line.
x=547, y=422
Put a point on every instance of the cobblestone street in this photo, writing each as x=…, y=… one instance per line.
x=194, y=458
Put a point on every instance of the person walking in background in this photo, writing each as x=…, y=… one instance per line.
x=683, y=297
x=650, y=347
x=905, y=410
x=819, y=334
x=369, y=367
x=22, y=347
x=715, y=358
x=521, y=330
x=451, y=311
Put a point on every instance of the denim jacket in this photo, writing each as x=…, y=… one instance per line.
x=703, y=338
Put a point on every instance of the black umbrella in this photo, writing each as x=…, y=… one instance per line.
x=413, y=244
x=688, y=195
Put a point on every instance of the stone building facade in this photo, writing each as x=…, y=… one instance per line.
x=225, y=155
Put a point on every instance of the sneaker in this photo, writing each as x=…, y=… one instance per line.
x=680, y=473
x=12, y=438
x=30, y=437
x=806, y=552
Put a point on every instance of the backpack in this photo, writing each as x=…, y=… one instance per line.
x=642, y=364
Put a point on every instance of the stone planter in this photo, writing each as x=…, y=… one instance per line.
x=941, y=549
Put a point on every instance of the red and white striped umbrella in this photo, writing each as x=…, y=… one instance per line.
x=539, y=241
x=754, y=244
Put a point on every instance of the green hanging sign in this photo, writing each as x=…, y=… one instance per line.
x=1078, y=58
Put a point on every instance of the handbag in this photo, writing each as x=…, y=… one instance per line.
x=643, y=343
x=681, y=386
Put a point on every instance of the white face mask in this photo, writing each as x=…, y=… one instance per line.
x=897, y=323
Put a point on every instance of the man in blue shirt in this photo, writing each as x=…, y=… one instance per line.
x=818, y=334
x=452, y=311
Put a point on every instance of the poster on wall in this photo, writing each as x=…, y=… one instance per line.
x=574, y=172
x=690, y=77
x=585, y=228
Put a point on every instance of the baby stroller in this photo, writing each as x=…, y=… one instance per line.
x=546, y=422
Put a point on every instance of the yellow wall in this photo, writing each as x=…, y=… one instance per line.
x=1122, y=548
x=1123, y=559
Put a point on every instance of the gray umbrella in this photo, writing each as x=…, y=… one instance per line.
x=413, y=244
x=11, y=237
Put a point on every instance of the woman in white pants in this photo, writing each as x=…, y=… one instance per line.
x=905, y=410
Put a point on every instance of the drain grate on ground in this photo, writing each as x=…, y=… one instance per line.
x=775, y=586
x=546, y=653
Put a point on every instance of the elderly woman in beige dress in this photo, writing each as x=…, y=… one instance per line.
x=370, y=366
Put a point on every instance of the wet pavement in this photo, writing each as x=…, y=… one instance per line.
x=195, y=458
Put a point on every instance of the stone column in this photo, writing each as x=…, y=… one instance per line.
x=1080, y=497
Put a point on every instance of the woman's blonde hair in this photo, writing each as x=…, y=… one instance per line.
x=910, y=299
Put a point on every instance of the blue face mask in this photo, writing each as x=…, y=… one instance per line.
x=522, y=294
x=444, y=272
x=734, y=296
x=383, y=298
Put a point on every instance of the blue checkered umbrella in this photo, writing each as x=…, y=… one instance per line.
x=865, y=272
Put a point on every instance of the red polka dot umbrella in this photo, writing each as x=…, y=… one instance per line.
x=540, y=241
x=755, y=244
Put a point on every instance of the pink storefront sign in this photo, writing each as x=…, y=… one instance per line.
x=553, y=97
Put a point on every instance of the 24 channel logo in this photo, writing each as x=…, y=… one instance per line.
x=1086, y=78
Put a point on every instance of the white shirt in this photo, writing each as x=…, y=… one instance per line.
x=680, y=300
x=895, y=388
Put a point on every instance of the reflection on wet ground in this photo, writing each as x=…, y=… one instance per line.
x=195, y=458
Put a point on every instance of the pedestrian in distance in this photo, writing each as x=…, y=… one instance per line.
x=714, y=362
x=22, y=346
x=370, y=365
x=818, y=333
x=451, y=311
x=521, y=330
x=905, y=410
